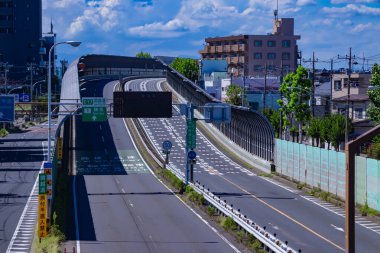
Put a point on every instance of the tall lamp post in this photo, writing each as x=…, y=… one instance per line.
x=74, y=44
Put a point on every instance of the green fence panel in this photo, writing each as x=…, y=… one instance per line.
x=333, y=167
x=302, y=163
x=324, y=169
x=373, y=186
x=289, y=168
x=296, y=161
x=341, y=177
x=278, y=147
x=284, y=158
x=317, y=167
x=309, y=165
x=360, y=180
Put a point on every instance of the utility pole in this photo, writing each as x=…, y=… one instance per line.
x=265, y=86
x=281, y=78
x=332, y=84
x=31, y=68
x=313, y=61
x=349, y=71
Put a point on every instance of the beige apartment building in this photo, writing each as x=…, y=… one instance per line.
x=255, y=55
x=359, y=100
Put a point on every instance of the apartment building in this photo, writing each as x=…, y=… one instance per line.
x=359, y=100
x=257, y=55
x=20, y=31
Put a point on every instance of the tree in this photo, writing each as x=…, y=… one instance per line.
x=314, y=130
x=296, y=88
x=187, y=67
x=338, y=124
x=234, y=93
x=274, y=118
x=143, y=55
x=374, y=95
x=326, y=130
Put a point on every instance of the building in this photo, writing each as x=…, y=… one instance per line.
x=359, y=100
x=20, y=31
x=257, y=55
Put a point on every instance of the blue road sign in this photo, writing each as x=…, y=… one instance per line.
x=191, y=154
x=7, y=108
x=166, y=145
x=22, y=97
x=48, y=165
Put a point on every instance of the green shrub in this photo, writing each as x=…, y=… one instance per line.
x=256, y=245
x=3, y=132
x=211, y=211
x=366, y=210
x=228, y=223
x=300, y=186
x=325, y=196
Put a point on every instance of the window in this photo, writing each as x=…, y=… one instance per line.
x=286, y=56
x=224, y=48
x=286, y=43
x=342, y=111
x=358, y=113
x=271, y=43
x=258, y=55
x=271, y=56
x=258, y=67
x=337, y=85
x=258, y=43
x=271, y=67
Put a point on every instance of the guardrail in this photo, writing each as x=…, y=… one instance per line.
x=270, y=242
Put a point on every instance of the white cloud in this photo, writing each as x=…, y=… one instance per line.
x=352, y=9
x=192, y=15
x=102, y=14
x=305, y=2
x=351, y=1
x=365, y=27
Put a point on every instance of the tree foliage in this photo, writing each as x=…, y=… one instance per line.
x=374, y=95
x=188, y=67
x=274, y=118
x=338, y=125
x=143, y=55
x=234, y=94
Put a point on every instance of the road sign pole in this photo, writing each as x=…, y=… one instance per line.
x=190, y=118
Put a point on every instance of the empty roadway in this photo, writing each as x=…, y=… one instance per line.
x=302, y=223
x=121, y=206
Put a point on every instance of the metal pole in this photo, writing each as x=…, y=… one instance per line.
x=49, y=103
x=348, y=98
x=312, y=86
x=31, y=82
x=5, y=79
x=332, y=84
x=281, y=77
x=265, y=87
x=190, y=117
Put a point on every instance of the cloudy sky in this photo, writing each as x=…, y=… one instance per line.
x=178, y=27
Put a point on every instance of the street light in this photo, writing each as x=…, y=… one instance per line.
x=41, y=81
x=74, y=44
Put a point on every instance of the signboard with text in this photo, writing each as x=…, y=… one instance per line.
x=42, y=215
x=7, y=108
x=191, y=133
x=94, y=109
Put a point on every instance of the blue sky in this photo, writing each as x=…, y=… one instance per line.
x=178, y=27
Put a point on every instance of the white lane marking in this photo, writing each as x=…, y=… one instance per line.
x=200, y=217
x=29, y=213
x=76, y=217
x=100, y=127
x=122, y=189
x=102, y=138
x=337, y=228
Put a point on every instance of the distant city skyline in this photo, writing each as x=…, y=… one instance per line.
x=178, y=28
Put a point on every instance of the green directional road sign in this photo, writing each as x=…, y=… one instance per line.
x=191, y=134
x=94, y=109
x=42, y=184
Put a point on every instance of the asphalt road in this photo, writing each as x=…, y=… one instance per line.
x=121, y=206
x=302, y=223
x=21, y=155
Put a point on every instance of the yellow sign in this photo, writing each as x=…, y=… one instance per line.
x=60, y=148
x=42, y=215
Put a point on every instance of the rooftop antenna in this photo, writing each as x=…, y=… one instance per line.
x=276, y=12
